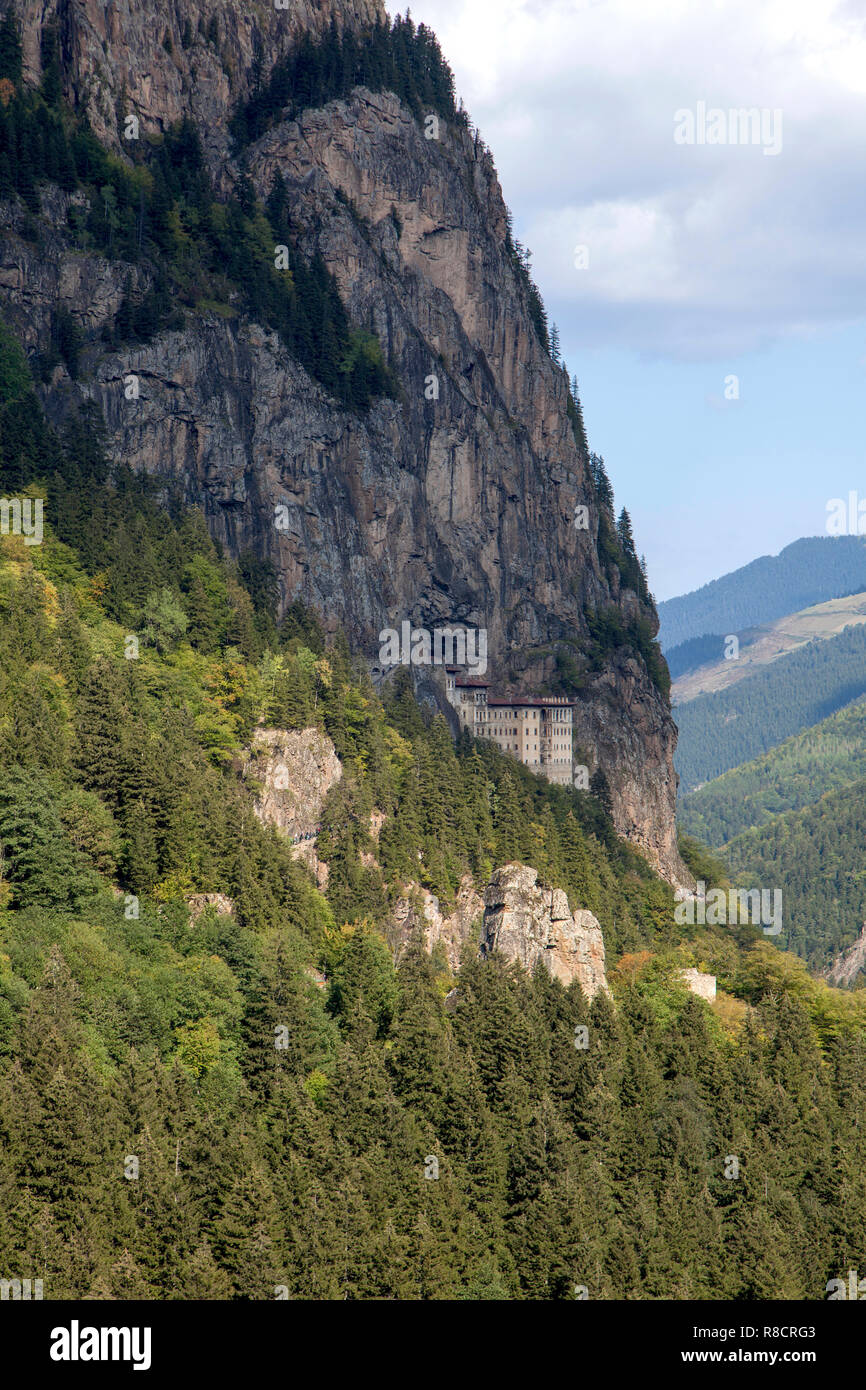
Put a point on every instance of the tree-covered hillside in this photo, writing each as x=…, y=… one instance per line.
x=700, y=651
x=156, y=1143
x=815, y=856
x=808, y=571
x=733, y=726
x=793, y=775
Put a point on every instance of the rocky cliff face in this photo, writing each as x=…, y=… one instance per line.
x=453, y=509
x=417, y=908
x=525, y=920
x=530, y=922
x=700, y=983
x=848, y=964
x=291, y=772
x=163, y=60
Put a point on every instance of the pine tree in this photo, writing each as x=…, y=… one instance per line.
x=10, y=47
x=578, y=423
x=624, y=534
x=50, y=87
x=38, y=860
x=102, y=711
x=603, y=489
x=417, y=1058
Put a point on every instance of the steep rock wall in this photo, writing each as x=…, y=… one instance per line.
x=848, y=964
x=416, y=908
x=454, y=509
x=292, y=772
x=530, y=922
x=163, y=59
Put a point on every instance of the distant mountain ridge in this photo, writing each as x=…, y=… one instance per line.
x=807, y=572
x=771, y=743
x=795, y=774
x=720, y=731
x=759, y=647
x=815, y=856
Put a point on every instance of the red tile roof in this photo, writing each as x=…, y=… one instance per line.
x=522, y=701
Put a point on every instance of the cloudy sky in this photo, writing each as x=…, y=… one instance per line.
x=702, y=262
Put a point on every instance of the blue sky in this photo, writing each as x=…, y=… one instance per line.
x=710, y=483
x=705, y=260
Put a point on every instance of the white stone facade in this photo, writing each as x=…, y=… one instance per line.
x=535, y=729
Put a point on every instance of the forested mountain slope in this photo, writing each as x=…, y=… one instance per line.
x=815, y=856
x=809, y=571
x=720, y=731
x=156, y=1143
x=762, y=646
x=826, y=757
x=220, y=1076
x=271, y=247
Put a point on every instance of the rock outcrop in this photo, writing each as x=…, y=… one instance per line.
x=454, y=509
x=292, y=772
x=161, y=61
x=700, y=983
x=530, y=922
x=416, y=907
x=523, y=919
x=198, y=903
x=848, y=964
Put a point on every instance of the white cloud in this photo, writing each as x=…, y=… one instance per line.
x=695, y=251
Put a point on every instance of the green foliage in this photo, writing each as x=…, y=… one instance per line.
x=10, y=47
x=520, y=258
x=192, y=250
x=39, y=860
x=700, y=651
x=363, y=988
x=35, y=142
x=391, y=56
x=615, y=542
x=706, y=866
x=609, y=631
x=575, y=415
x=50, y=86
x=732, y=726
x=164, y=621
x=284, y=1068
x=129, y=1025
x=807, y=572
x=797, y=773
x=815, y=856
